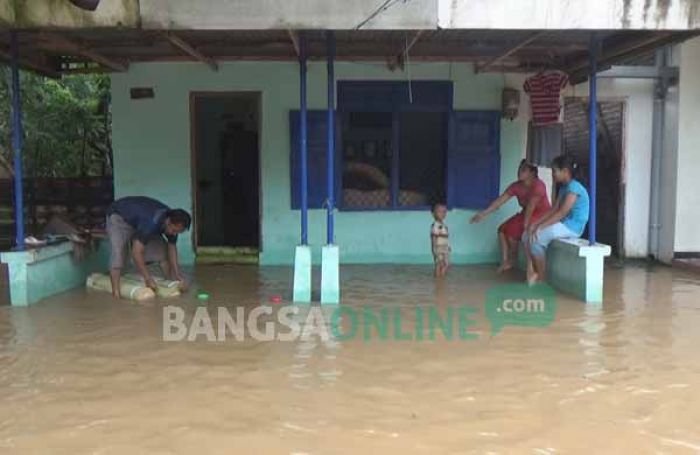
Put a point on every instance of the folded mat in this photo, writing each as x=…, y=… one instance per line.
x=133, y=287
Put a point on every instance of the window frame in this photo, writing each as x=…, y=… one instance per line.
x=470, y=188
x=395, y=109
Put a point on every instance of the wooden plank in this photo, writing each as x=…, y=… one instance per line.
x=508, y=52
x=191, y=51
x=397, y=61
x=30, y=64
x=294, y=37
x=58, y=42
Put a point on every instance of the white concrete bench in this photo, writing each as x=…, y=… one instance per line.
x=575, y=267
x=41, y=272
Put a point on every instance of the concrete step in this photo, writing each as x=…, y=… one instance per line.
x=226, y=255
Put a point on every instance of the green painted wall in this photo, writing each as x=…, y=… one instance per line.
x=151, y=140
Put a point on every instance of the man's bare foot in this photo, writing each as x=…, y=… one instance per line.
x=504, y=267
x=533, y=279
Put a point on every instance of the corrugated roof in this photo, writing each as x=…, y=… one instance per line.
x=57, y=51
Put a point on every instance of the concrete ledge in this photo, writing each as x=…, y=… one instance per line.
x=330, y=274
x=576, y=267
x=38, y=273
x=302, y=275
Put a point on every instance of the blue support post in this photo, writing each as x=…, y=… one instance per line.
x=330, y=254
x=593, y=137
x=330, y=38
x=17, y=138
x=303, y=145
x=302, y=256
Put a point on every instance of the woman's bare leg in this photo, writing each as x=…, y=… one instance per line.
x=540, y=268
x=506, y=252
x=531, y=272
x=514, y=245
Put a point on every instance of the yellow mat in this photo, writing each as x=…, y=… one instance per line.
x=132, y=286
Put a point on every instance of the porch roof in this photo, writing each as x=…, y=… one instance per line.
x=56, y=52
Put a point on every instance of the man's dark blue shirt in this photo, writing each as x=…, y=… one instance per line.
x=145, y=215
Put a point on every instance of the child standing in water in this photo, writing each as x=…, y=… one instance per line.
x=439, y=238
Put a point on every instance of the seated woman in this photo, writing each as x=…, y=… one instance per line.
x=567, y=219
x=532, y=197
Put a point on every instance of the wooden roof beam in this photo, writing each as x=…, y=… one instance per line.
x=508, y=52
x=294, y=37
x=397, y=61
x=578, y=71
x=61, y=43
x=610, y=53
x=30, y=64
x=191, y=51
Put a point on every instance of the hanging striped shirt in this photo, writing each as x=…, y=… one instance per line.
x=544, y=90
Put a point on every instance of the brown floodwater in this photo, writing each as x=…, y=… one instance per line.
x=81, y=373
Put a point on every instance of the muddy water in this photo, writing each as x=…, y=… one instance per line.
x=80, y=373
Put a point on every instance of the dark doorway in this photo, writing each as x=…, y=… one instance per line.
x=610, y=158
x=227, y=169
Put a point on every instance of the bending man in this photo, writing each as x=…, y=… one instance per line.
x=150, y=228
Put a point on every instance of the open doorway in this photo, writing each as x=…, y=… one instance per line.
x=609, y=225
x=226, y=171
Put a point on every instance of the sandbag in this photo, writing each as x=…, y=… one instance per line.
x=165, y=288
x=133, y=287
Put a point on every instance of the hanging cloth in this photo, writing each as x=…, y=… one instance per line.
x=545, y=96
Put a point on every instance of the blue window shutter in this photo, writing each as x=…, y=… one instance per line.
x=317, y=162
x=473, y=159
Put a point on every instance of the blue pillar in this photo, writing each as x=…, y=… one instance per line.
x=330, y=254
x=304, y=184
x=330, y=38
x=17, y=141
x=302, y=255
x=592, y=137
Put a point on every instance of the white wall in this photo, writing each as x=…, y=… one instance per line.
x=570, y=14
x=283, y=14
x=348, y=14
x=638, y=95
x=688, y=188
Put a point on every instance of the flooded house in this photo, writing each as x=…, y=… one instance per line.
x=310, y=141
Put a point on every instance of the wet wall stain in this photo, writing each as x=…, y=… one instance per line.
x=32, y=13
x=658, y=11
x=692, y=8
x=645, y=14
x=626, y=7
x=7, y=13
x=661, y=13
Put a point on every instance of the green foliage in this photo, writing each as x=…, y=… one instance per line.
x=66, y=124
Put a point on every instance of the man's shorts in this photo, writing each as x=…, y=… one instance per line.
x=120, y=235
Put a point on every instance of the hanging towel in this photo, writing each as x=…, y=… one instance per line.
x=544, y=143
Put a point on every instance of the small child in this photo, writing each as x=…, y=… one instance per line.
x=439, y=237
